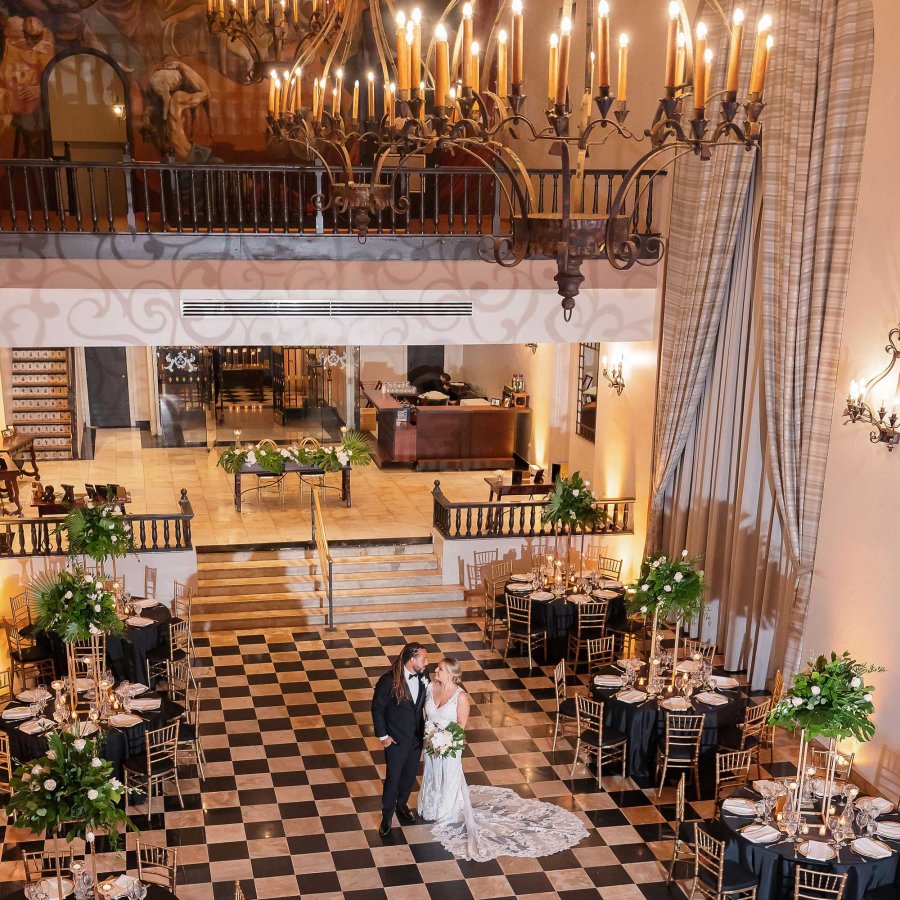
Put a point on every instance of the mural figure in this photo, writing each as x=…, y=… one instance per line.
x=173, y=89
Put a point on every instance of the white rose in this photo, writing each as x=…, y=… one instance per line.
x=678, y=576
x=80, y=744
x=645, y=587
x=96, y=607
x=575, y=492
x=89, y=837
x=572, y=513
x=662, y=559
x=113, y=538
x=797, y=701
x=815, y=690
x=92, y=794
x=36, y=770
x=68, y=595
x=644, y=609
x=115, y=784
x=855, y=682
x=667, y=588
x=867, y=698
x=683, y=554
x=26, y=777
x=93, y=629
x=96, y=763
x=51, y=754
x=49, y=785
x=587, y=484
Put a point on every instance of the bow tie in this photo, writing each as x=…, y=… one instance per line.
x=412, y=675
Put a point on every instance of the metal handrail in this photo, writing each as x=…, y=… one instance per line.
x=326, y=563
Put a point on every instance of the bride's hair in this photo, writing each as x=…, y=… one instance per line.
x=454, y=669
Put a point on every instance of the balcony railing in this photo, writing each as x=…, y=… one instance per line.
x=61, y=197
x=153, y=533
x=458, y=521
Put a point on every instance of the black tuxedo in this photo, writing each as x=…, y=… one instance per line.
x=405, y=723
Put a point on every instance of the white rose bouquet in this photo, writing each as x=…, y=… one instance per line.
x=443, y=741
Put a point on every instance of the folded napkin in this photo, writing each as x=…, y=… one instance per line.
x=137, y=689
x=519, y=588
x=878, y=805
x=890, y=830
x=146, y=703
x=151, y=602
x=761, y=834
x=686, y=665
x=763, y=784
x=635, y=663
x=37, y=726
x=604, y=595
x=119, y=885
x=725, y=682
x=608, y=680
x=611, y=585
x=83, y=684
x=522, y=578
x=739, y=806
x=867, y=847
x=32, y=694
x=579, y=598
x=542, y=595
x=679, y=704
x=125, y=720
x=139, y=622
x=16, y=713
x=632, y=696
x=710, y=699
x=818, y=850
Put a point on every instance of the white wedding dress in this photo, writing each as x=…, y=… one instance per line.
x=482, y=822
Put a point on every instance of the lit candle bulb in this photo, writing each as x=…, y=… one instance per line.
x=680, y=55
x=552, y=68
x=285, y=94
x=622, y=90
x=760, y=54
x=707, y=71
x=441, y=65
x=370, y=95
x=355, y=113
x=518, y=43
x=334, y=101
x=700, y=67
x=339, y=83
x=475, y=68
x=671, y=42
x=273, y=77
x=322, y=84
x=562, y=65
x=734, y=51
x=603, y=44
x=468, y=37
x=502, y=86
x=415, y=59
x=402, y=53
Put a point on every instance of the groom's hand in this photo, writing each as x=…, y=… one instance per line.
x=387, y=741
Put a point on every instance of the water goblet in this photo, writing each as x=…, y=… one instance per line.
x=760, y=808
x=792, y=825
x=871, y=827
x=126, y=703
x=834, y=826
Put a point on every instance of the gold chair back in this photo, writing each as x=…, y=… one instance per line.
x=612, y=568
x=683, y=732
x=701, y=648
x=732, y=770
x=41, y=864
x=20, y=607
x=518, y=613
x=710, y=856
x=601, y=652
x=157, y=864
x=150, y=582
x=814, y=884
x=592, y=618
x=559, y=682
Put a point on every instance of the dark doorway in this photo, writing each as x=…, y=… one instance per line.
x=424, y=365
x=107, y=379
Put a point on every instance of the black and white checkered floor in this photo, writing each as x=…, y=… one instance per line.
x=291, y=802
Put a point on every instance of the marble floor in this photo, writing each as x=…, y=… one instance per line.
x=387, y=503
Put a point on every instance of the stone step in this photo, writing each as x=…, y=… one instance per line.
x=343, y=566
x=269, y=586
x=307, y=550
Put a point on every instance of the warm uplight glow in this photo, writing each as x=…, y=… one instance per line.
x=554, y=39
x=565, y=27
x=765, y=23
x=401, y=19
x=673, y=10
x=701, y=31
x=440, y=33
x=738, y=17
x=623, y=40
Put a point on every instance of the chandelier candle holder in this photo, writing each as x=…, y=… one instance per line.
x=885, y=424
x=614, y=375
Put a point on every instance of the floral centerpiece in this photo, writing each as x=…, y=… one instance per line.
x=668, y=587
x=572, y=505
x=99, y=531
x=353, y=450
x=74, y=605
x=444, y=741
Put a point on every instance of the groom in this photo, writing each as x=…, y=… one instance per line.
x=397, y=707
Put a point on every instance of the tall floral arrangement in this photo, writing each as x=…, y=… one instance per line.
x=74, y=605
x=829, y=699
x=353, y=450
x=572, y=505
x=70, y=790
x=99, y=531
x=668, y=587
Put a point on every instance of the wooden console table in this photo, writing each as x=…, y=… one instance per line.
x=528, y=489
x=290, y=467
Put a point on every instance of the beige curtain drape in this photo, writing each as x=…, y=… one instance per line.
x=748, y=488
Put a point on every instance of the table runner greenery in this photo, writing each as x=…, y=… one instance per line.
x=354, y=450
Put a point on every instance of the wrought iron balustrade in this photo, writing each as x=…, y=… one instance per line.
x=62, y=197
x=456, y=521
x=153, y=533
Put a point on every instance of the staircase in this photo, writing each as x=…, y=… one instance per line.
x=41, y=405
x=283, y=588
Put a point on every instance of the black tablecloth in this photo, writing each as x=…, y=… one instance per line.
x=125, y=654
x=645, y=725
x=154, y=892
x=774, y=865
x=119, y=744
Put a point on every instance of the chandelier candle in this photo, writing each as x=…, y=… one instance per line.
x=467, y=45
x=441, y=66
x=415, y=61
x=474, y=68
x=622, y=89
x=355, y=114
x=502, y=83
x=553, y=64
x=370, y=95
x=603, y=47
x=734, y=53
x=518, y=43
x=700, y=71
x=680, y=54
x=760, y=55
x=562, y=68
x=273, y=76
x=671, y=44
x=402, y=55
x=285, y=91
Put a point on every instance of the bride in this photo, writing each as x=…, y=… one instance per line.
x=482, y=822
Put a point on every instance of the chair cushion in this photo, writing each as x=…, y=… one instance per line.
x=137, y=765
x=31, y=654
x=161, y=654
x=186, y=732
x=611, y=737
x=567, y=707
x=730, y=738
x=736, y=877
x=522, y=632
x=686, y=832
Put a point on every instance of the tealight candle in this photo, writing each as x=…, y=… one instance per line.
x=805, y=828
x=822, y=831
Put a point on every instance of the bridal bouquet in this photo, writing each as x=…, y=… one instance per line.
x=444, y=741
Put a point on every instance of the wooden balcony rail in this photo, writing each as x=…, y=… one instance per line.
x=458, y=521
x=62, y=197
x=153, y=533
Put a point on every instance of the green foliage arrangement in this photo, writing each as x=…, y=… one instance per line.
x=573, y=506
x=829, y=699
x=668, y=586
x=99, y=531
x=74, y=605
x=354, y=450
x=69, y=789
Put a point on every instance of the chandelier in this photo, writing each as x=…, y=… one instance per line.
x=885, y=425
x=449, y=99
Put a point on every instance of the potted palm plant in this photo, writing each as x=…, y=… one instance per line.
x=572, y=508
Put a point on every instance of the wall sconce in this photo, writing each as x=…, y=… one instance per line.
x=614, y=375
x=119, y=110
x=885, y=426
x=532, y=348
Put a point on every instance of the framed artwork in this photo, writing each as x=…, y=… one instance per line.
x=495, y=401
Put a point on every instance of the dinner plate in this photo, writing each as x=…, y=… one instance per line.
x=542, y=595
x=676, y=704
x=860, y=848
x=16, y=713
x=635, y=663
x=522, y=579
x=31, y=695
x=51, y=888
x=739, y=806
x=515, y=588
x=725, y=682
x=139, y=622
x=889, y=830
x=830, y=852
x=125, y=720
x=604, y=595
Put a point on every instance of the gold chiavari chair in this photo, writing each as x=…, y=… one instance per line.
x=26, y=658
x=539, y=551
x=150, y=582
x=610, y=568
x=684, y=833
x=5, y=687
x=41, y=864
x=157, y=765
x=732, y=771
x=768, y=735
x=475, y=571
x=565, y=705
x=179, y=647
x=115, y=585
x=814, y=884
x=238, y=892
x=313, y=482
x=157, y=864
x=183, y=687
x=22, y=615
x=748, y=734
x=843, y=763
x=607, y=744
x=591, y=623
x=699, y=648
x=600, y=652
x=681, y=750
x=711, y=877
x=89, y=656
x=520, y=630
x=495, y=577
x=5, y=763
x=591, y=557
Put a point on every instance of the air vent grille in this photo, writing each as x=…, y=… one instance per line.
x=191, y=309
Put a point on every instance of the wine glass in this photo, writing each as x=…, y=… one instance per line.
x=760, y=807
x=792, y=825
x=862, y=819
x=834, y=826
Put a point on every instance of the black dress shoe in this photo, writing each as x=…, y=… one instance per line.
x=406, y=815
x=385, y=828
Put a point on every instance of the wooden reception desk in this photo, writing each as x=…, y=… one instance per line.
x=449, y=437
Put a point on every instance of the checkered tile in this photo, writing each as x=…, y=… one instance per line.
x=291, y=803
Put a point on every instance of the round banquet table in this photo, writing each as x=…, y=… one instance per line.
x=645, y=725
x=126, y=654
x=154, y=892
x=774, y=864
x=557, y=617
x=118, y=744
